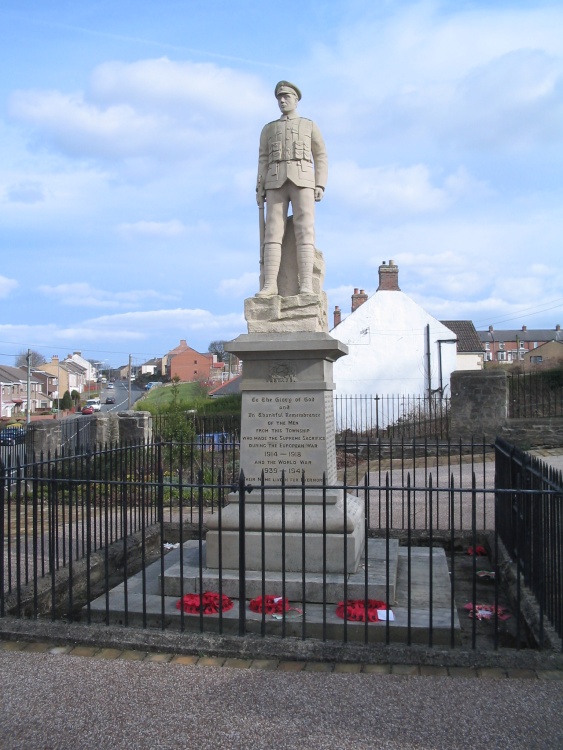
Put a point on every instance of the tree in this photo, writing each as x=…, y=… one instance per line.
x=36, y=358
x=218, y=348
x=66, y=402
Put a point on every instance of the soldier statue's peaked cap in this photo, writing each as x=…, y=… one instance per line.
x=285, y=87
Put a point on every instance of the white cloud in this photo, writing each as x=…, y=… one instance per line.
x=159, y=329
x=84, y=295
x=151, y=109
x=7, y=286
x=514, y=99
x=484, y=75
x=185, y=88
x=391, y=190
x=166, y=229
x=179, y=319
x=244, y=285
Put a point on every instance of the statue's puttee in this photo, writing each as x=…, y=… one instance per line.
x=292, y=168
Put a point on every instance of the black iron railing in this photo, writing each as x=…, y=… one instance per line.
x=392, y=416
x=535, y=394
x=529, y=517
x=82, y=538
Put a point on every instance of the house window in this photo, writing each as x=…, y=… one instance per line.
x=536, y=360
x=501, y=356
x=487, y=346
x=501, y=344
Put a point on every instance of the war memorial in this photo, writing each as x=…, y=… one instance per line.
x=292, y=529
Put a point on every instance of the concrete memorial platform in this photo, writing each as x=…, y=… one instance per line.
x=417, y=602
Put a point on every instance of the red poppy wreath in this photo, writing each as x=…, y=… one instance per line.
x=209, y=602
x=355, y=609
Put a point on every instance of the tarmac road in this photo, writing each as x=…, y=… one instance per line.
x=58, y=702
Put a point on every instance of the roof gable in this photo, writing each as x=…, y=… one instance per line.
x=468, y=342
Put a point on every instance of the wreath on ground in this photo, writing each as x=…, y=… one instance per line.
x=486, y=611
x=357, y=611
x=210, y=603
x=269, y=604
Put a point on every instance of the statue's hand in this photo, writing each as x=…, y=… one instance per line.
x=319, y=192
x=260, y=197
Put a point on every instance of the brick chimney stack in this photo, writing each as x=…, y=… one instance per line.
x=337, y=316
x=358, y=298
x=388, y=277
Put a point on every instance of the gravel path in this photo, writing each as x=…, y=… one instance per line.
x=53, y=702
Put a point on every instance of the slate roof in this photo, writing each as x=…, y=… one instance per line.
x=229, y=388
x=541, y=335
x=14, y=375
x=468, y=341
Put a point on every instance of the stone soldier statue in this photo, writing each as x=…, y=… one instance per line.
x=292, y=168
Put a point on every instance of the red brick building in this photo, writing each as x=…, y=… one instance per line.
x=188, y=365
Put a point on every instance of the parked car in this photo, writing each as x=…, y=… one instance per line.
x=110, y=400
x=152, y=384
x=87, y=410
x=110, y=385
x=13, y=435
x=95, y=403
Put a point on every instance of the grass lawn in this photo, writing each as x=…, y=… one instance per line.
x=162, y=396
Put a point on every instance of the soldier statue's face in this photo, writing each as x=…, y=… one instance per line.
x=287, y=102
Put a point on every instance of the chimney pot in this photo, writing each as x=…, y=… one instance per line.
x=558, y=327
x=388, y=278
x=524, y=328
x=337, y=316
x=358, y=298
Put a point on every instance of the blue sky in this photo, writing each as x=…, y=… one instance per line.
x=128, y=144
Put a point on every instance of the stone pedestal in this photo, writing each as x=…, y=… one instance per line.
x=288, y=428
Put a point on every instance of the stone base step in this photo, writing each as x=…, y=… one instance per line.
x=379, y=577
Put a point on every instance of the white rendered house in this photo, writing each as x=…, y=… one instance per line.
x=395, y=346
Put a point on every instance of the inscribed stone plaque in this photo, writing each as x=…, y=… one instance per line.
x=291, y=431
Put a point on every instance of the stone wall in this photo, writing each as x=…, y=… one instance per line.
x=105, y=429
x=479, y=402
x=45, y=436
x=135, y=426
x=479, y=407
x=533, y=433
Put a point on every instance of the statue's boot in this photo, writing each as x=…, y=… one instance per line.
x=272, y=260
x=305, y=261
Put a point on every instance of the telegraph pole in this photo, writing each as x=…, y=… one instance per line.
x=129, y=385
x=28, y=405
